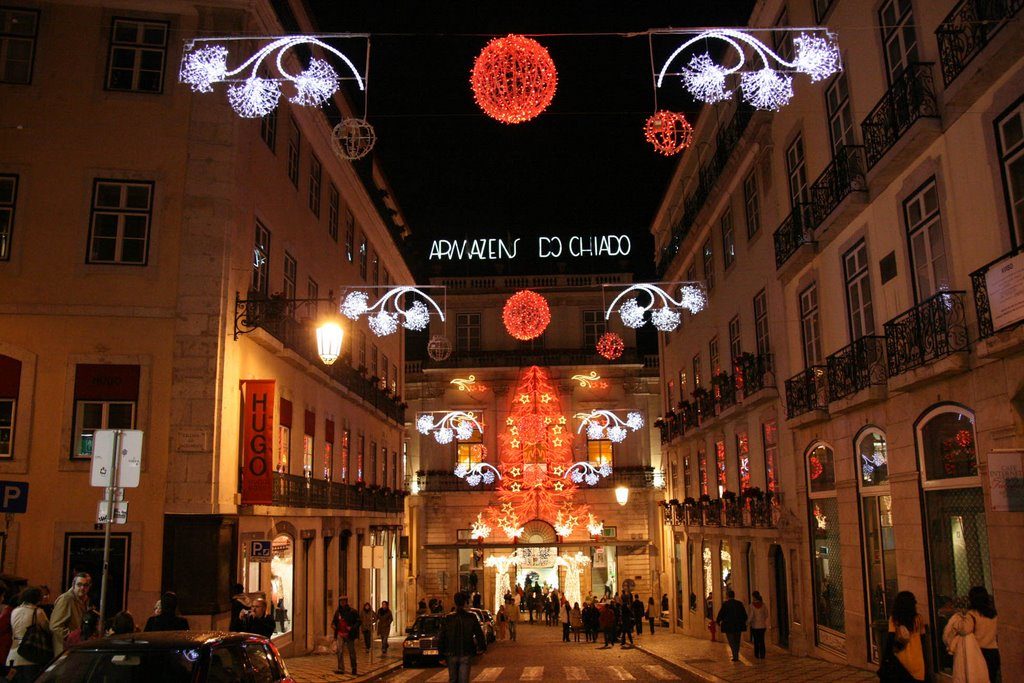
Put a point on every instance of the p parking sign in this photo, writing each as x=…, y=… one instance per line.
x=259, y=551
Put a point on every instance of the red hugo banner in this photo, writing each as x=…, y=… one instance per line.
x=257, y=442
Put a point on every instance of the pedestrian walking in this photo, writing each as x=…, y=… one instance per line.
x=385, y=617
x=565, y=611
x=346, y=629
x=24, y=616
x=626, y=623
x=903, y=656
x=168, y=619
x=460, y=638
x=366, y=619
x=758, y=625
x=732, y=617
x=638, y=615
x=512, y=612
x=591, y=625
x=501, y=624
x=576, y=621
x=606, y=620
x=983, y=611
x=650, y=613
x=69, y=609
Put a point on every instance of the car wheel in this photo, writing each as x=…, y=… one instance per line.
x=407, y=662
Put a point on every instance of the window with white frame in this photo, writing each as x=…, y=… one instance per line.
x=291, y=269
x=899, y=39
x=928, y=261
x=697, y=374
x=878, y=539
x=106, y=397
x=294, y=149
x=810, y=326
x=728, y=239
x=858, y=291
x=783, y=40
x=261, y=260
x=708, y=257
x=826, y=553
x=138, y=50
x=599, y=452
x=119, y=223
x=762, y=338
x=796, y=170
x=1010, y=135
x=350, y=235
x=752, y=203
x=467, y=333
x=840, y=113
x=594, y=326
x=308, y=439
x=362, y=257
x=284, y=435
x=316, y=172
x=735, y=341
x=268, y=130
x=18, y=30
x=713, y=356
x=333, y=210
x=8, y=199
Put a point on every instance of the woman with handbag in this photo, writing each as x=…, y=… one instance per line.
x=32, y=645
x=903, y=658
x=983, y=611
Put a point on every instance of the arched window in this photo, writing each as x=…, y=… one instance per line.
x=878, y=538
x=955, y=528
x=282, y=582
x=826, y=558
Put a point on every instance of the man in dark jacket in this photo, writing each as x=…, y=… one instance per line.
x=732, y=617
x=626, y=622
x=168, y=619
x=638, y=614
x=346, y=629
x=460, y=638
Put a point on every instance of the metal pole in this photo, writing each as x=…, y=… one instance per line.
x=8, y=518
x=111, y=491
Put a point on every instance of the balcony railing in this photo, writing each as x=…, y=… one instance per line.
x=856, y=367
x=753, y=373
x=842, y=177
x=524, y=357
x=751, y=510
x=933, y=329
x=273, y=316
x=724, y=390
x=967, y=29
x=443, y=481
x=796, y=230
x=909, y=98
x=296, y=491
x=703, y=405
x=807, y=391
x=982, y=303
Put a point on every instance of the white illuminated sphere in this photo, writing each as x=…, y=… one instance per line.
x=353, y=139
x=473, y=479
x=424, y=423
x=316, y=84
x=417, y=316
x=634, y=421
x=665, y=319
x=488, y=477
x=576, y=476
x=444, y=435
x=203, y=67
x=461, y=470
x=594, y=431
x=616, y=434
x=354, y=305
x=816, y=56
x=604, y=470
x=592, y=479
x=464, y=431
x=692, y=298
x=766, y=89
x=705, y=79
x=255, y=98
x=439, y=348
x=632, y=314
x=383, y=323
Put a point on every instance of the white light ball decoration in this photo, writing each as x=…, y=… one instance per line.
x=464, y=431
x=692, y=298
x=353, y=139
x=604, y=470
x=576, y=476
x=316, y=84
x=383, y=323
x=439, y=348
x=417, y=316
x=444, y=435
x=616, y=434
x=595, y=431
x=816, y=56
x=354, y=305
x=665, y=319
x=473, y=479
x=632, y=314
x=634, y=421
x=424, y=423
x=255, y=98
x=203, y=67
x=592, y=479
x=488, y=477
x=461, y=470
x=766, y=89
x=705, y=79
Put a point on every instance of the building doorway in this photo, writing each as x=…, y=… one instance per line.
x=780, y=598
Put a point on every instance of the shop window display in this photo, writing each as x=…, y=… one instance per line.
x=282, y=582
x=826, y=557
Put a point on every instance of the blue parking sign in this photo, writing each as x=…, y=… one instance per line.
x=259, y=551
x=13, y=496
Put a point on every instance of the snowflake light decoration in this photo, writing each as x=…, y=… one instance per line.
x=605, y=424
x=255, y=98
x=594, y=527
x=477, y=472
x=584, y=471
x=204, y=67
x=449, y=425
x=315, y=85
x=479, y=529
x=816, y=54
x=387, y=313
x=666, y=317
x=632, y=314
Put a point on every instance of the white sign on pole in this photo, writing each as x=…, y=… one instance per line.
x=129, y=468
x=120, y=512
x=1005, y=284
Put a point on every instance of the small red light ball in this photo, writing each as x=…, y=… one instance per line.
x=610, y=345
x=669, y=132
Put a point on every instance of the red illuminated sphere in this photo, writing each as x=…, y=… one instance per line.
x=669, y=132
x=526, y=315
x=610, y=345
x=514, y=79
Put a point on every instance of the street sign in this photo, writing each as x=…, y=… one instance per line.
x=259, y=551
x=130, y=466
x=120, y=512
x=13, y=496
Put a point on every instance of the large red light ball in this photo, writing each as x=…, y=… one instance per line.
x=514, y=79
x=610, y=345
x=669, y=132
x=526, y=315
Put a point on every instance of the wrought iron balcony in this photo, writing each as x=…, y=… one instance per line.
x=842, y=177
x=753, y=373
x=806, y=391
x=933, y=329
x=982, y=304
x=443, y=481
x=299, y=492
x=856, y=367
x=909, y=98
x=796, y=230
x=751, y=509
x=967, y=29
x=724, y=390
x=703, y=404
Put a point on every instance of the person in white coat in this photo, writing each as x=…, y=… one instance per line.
x=758, y=624
x=23, y=616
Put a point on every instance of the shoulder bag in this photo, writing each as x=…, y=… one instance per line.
x=37, y=644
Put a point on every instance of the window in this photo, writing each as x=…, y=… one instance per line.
x=682, y=385
x=294, y=146
x=362, y=350
x=796, y=170
x=376, y=269
x=316, y=171
x=826, y=556
x=137, y=53
x=119, y=222
x=328, y=449
x=312, y=293
x=735, y=342
x=261, y=260
x=467, y=333
x=709, y=265
x=896, y=18
x=927, y=247
x=333, y=209
x=594, y=326
x=697, y=374
x=470, y=452
x=810, y=326
x=840, y=114
x=599, y=452
x=752, y=203
x=371, y=467
x=709, y=581
x=1010, y=133
x=360, y=455
x=291, y=269
x=282, y=585
x=350, y=235
x=743, y=460
x=720, y=468
x=725, y=564
x=687, y=476
x=362, y=257
x=770, y=440
x=308, y=437
x=105, y=398
x=877, y=534
x=394, y=379
x=268, y=130
x=713, y=356
x=384, y=372
x=783, y=40
x=762, y=338
x=385, y=278
x=284, y=435
x=10, y=385
x=8, y=197
x=18, y=29
x=702, y=471
x=858, y=291
x=728, y=240
x=691, y=272
x=821, y=7
x=346, y=453
x=374, y=368
x=384, y=466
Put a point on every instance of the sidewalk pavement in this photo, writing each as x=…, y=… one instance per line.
x=711, y=662
x=321, y=667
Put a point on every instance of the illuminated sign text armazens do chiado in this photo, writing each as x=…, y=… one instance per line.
x=493, y=249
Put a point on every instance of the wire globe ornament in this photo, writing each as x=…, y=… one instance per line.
x=439, y=348
x=526, y=315
x=513, y=79
x=610, y=345
x=669, y=132
x=353, y=139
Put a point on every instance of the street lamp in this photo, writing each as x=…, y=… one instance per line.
x=622, y=495
x=328, y=342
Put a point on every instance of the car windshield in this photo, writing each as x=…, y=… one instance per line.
x=427, y=625
x=124, y=666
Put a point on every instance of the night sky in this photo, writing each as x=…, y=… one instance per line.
x=581, y=168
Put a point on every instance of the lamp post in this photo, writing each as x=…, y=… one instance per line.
x=328, y=341
x=622, y=495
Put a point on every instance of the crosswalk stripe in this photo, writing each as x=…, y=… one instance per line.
x=489, y=674
x=575, y=673
x=441, y=675
x=620, y=673
x=404, y=675
x=532, y=673
x=660, y=672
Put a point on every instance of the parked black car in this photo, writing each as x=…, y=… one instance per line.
x=421, y=640
x=171, y=657
x=486, y=623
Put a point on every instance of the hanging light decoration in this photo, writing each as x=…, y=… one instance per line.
x=816, y=54
x=449, y=425
x=353, y=139
x=669, y=132
x=480, y=529
x=513, y=79
x=666, y=317
x=610, y=345
x=384, y=316
x=594, y=526
x=526, y=315
x=328, y=342
x=439, y=348
x=605, y=424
